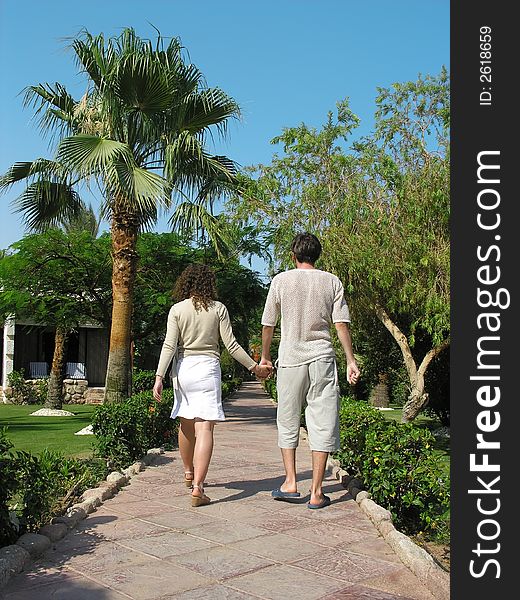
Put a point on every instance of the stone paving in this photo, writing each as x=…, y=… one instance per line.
x=147, y=543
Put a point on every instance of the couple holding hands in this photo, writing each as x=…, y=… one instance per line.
x=306, y=300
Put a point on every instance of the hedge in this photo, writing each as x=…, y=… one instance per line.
x=34, y=488
x=397, y=465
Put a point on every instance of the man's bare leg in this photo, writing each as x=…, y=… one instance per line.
x=319, y=464
x=289, y=463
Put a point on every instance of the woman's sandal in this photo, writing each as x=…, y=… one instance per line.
x=202, y=500
x=188, y=480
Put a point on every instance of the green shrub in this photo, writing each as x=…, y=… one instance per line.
x=126, y=430
x=270, y=388
x=35, y=488
x=25, y=392
x=8, y=483
x=356, y=418
x=397, y=464
x=142, y=381
x=405, y=476
x=229, y=386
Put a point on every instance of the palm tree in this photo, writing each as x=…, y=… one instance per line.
x=139, y=133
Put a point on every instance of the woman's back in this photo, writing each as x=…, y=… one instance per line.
x=198, y=327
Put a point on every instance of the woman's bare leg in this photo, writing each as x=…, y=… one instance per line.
x=203, y=452
x=187, y=443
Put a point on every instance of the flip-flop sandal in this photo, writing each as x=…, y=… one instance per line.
x=325, y=502
x=287, y=496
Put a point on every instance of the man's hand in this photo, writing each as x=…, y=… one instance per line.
x=158, y=388
x=263, y=371
x=353, y=373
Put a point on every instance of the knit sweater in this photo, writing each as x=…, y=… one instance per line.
x=190, y=331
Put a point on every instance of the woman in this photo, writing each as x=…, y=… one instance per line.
x=192, y=337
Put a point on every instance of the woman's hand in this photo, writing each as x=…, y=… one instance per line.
x=262, y=371
x=158, y=388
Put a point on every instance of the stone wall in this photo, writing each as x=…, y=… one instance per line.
x=75, y=391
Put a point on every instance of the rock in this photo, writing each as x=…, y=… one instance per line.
x=362, y=496
x=385, y=527
x=51, y=412
x=88, y=430
x=375, y=512
x=117, y=478
x=54, y=531
x=34, y=543
x=89, y=506
x=73, y=516
x=13, y=559
x=107, y=490
x=413, y=556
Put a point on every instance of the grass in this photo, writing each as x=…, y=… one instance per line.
x=34, y=434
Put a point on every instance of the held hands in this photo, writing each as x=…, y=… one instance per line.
x=264, y=370
x=353, y=373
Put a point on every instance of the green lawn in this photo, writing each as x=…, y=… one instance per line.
x=34, y=434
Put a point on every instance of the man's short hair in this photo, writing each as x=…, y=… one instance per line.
x=306, y=248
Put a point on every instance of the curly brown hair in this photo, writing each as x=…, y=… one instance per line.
x=197, y=282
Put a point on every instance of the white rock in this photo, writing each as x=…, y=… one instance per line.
x=51, y=412
x=85, y=431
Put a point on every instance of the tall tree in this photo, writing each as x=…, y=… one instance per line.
x=139, y=132
x=381, y=209
x=61, y=280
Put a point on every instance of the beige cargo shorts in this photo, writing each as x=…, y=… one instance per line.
x=315, y=385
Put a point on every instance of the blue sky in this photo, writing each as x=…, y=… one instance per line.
x=284, y=61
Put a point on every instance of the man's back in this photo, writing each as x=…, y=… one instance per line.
x=308, y=301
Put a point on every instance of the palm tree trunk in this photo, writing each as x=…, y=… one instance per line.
x=118, y=385
x=55, y=392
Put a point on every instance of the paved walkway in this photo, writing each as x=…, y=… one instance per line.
x=147, y=543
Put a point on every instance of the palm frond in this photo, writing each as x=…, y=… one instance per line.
x=53, y=106
x=193, y=219
x=89, y=154
x=41, y=168
x=47, y=204
x=137, y=190
x=211, y=107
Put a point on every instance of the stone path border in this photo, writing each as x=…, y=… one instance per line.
x=18, y=556
x=435, y=578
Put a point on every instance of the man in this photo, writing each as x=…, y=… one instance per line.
x=308, y=300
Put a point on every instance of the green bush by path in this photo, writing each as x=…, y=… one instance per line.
x=35, y=488
x=126, y=430
x=398, y=466
x=142, y=380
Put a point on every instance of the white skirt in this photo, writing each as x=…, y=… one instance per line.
x=198, y=392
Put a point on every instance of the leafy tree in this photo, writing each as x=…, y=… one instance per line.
x=380, y=208
x=162, y=259
x=139, y=134
x=61, y=280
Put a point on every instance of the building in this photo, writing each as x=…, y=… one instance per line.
x=30, y=346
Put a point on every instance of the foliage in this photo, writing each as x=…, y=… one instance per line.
x=34, y=488
x=142, y=381
x=125, y=431
x=229, y=386
x=270, y=387
x=24, y=391
x=57, y=279
x=162, y=259
x=7, y=488
x=397, y=464
x=381, y=210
